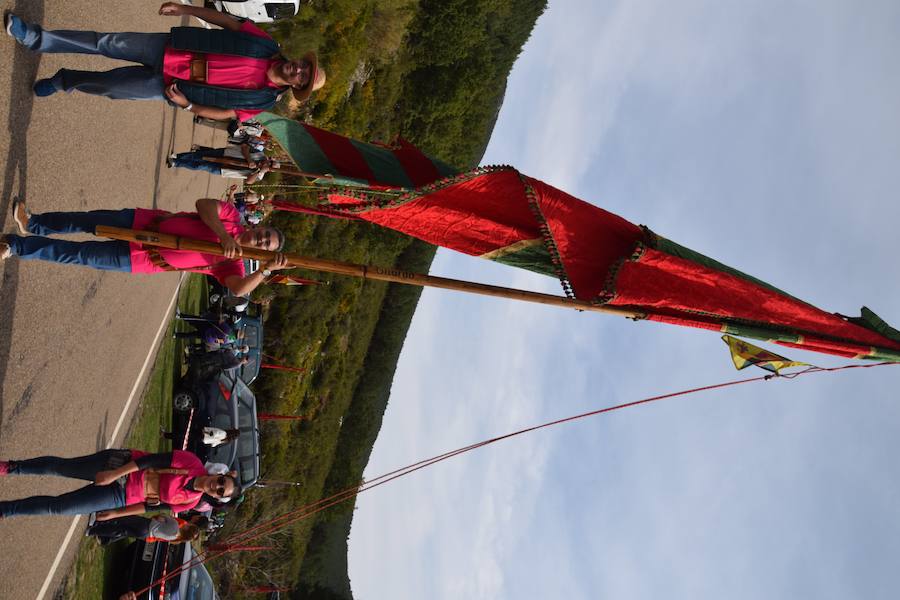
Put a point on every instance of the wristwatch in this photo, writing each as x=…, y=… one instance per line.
x=266, y=272
x=188, y=107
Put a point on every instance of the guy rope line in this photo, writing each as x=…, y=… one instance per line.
x=280, y=522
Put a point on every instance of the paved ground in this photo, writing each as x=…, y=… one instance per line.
x=74, y=342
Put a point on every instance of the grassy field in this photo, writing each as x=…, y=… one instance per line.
x=96, y=569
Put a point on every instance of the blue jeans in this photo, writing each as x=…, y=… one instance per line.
x=197, y=160
x=113, y=255
x=125, y=83
x=88, y=499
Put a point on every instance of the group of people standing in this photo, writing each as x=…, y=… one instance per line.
x=243, y=158
x=230, y=73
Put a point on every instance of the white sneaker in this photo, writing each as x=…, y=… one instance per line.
x=9, y=21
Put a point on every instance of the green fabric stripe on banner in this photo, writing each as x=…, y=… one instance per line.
x=384, y=164
x=873, y=322
x=298, y=143
x=534, y=258
x=669, y=247
x=443, y=168
x=759, y=333
x=884, y=354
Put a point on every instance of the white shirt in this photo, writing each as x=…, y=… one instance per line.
x=213, y=436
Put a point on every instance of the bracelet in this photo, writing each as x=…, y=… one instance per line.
x=188, y=107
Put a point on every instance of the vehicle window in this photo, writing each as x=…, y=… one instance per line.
x=251, y=366
x=245, y=419
x=251, y=335
x=200, y=585
x=221, y=420
x=277, y=10
x=248, y=470
x=246, y=444
x=220, y=454
x=223, y=405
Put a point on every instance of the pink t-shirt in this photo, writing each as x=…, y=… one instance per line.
x=172, y=488
x=224, y=70
x=188, y=225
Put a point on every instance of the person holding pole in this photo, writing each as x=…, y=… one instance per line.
x=215, y=221
x=236, y=161
x=234, y=72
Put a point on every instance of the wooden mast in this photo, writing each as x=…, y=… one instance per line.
x=163, y=240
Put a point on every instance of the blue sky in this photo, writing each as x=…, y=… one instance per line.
x=764, y=134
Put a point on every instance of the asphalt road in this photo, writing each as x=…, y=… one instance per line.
x=74, y=342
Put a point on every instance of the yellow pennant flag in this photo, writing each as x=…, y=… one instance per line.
x=744, y=355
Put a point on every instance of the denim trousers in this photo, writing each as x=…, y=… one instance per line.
x=113, y=255
x=143, y=82
x=197, y=160
x=88, y=499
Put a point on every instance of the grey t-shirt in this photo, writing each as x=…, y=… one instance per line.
x=163, y=527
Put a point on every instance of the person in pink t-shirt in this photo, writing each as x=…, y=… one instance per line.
x=235, y=72
x=214, y=221
x=124, y=483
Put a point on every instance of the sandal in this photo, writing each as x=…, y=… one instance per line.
x=21, y=215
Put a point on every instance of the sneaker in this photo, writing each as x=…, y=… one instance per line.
x=5, y=252
x=44, y=88
x=21, y=214
x=15, y=27
x=4, y=467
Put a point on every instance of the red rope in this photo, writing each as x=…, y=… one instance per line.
x=282, y=368
x=282, y=521
x=275, y=364
x=272, y=417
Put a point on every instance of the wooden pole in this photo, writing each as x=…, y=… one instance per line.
x=163, y=240
x=227, y=161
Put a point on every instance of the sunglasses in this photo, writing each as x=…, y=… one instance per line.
x=262, y=237
x=220, y=486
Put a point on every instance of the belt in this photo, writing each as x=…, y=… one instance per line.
x=199, y=68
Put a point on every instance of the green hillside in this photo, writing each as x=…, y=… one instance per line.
x=434, y=72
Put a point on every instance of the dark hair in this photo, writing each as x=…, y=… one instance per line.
x=231, y=434
x=199, y=520
x=281, y=238
x=236, y=491
x=186, y=533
